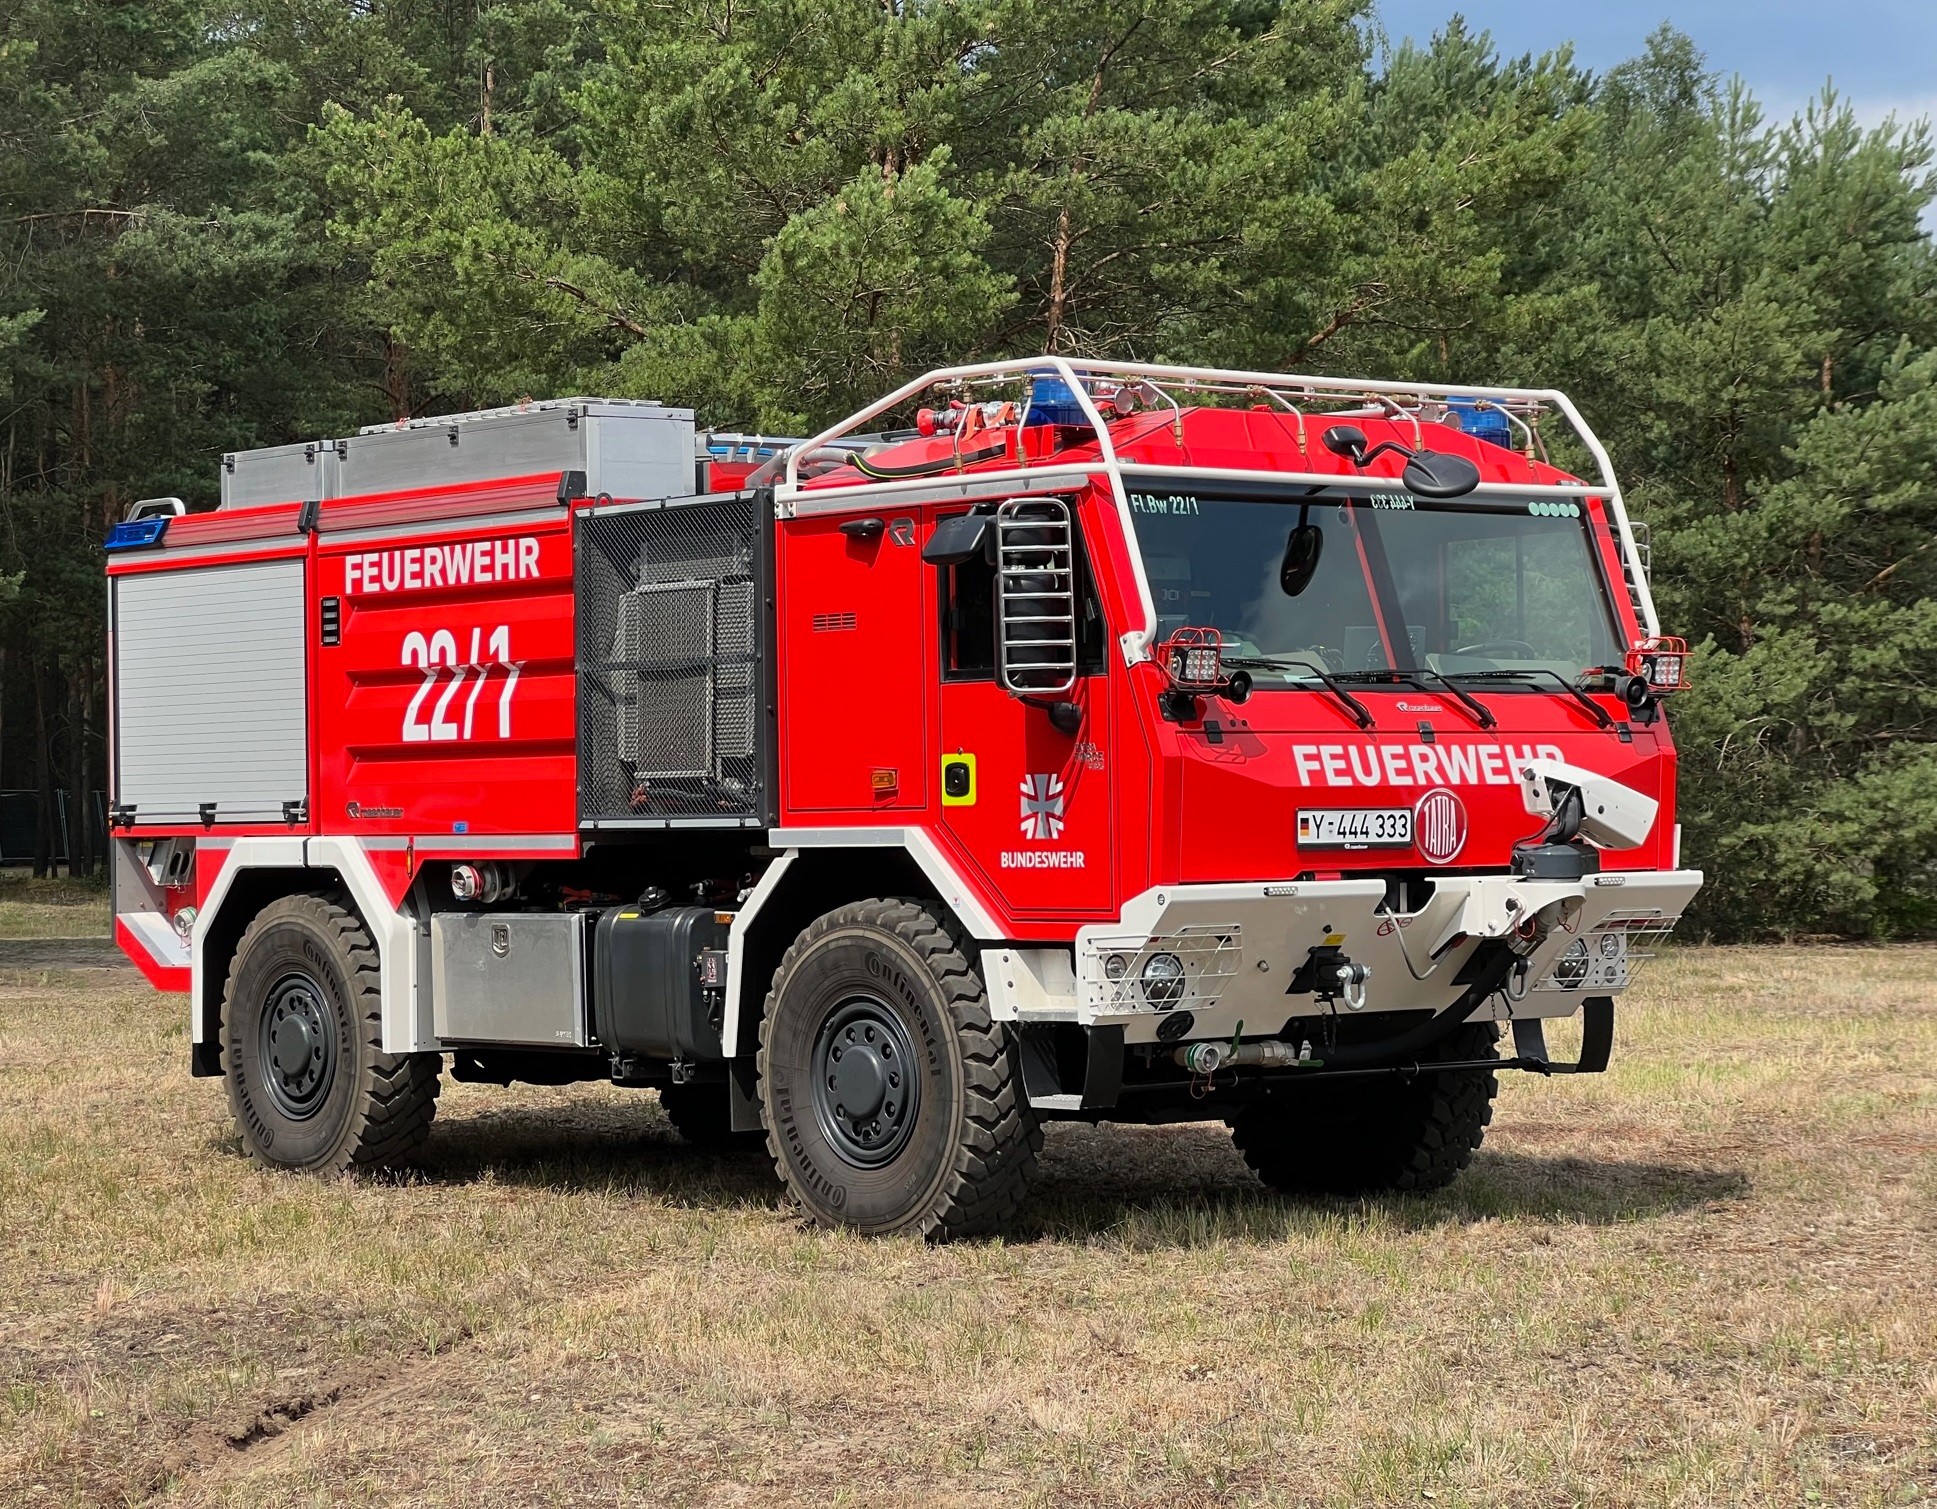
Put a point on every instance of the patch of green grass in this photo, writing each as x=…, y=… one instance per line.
x=59, y=907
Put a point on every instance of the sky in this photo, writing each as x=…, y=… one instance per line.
x=1882, y=54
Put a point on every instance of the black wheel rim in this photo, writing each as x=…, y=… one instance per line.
x=297, y=1043
x=866, y=1091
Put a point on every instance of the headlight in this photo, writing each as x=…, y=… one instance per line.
x=1115, y=967
x=1163, y=980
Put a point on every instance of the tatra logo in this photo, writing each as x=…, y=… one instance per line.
x=357, y=809
x=1042, y=807
x=1439, y=826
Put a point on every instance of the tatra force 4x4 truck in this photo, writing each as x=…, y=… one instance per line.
x=1051, y=739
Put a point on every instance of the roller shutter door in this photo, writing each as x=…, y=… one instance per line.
x=210, y=699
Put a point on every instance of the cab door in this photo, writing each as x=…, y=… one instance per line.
x=852, y=604
x=1028, y=805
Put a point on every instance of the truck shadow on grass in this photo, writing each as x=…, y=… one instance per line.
x=1526, y=1188
x=1163, y=1187
x=606, y=1149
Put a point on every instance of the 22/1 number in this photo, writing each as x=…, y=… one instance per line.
x=438, y=653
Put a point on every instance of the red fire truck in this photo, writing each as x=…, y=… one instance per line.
x=1051, y=739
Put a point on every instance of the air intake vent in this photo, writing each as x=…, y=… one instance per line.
x=670, y=662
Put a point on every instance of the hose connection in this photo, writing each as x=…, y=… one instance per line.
x=1208, y=1057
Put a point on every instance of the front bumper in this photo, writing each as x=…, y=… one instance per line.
x=1240, y=946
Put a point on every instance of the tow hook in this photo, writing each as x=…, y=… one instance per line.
x=1329, y=975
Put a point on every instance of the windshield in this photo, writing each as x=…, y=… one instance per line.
x=1481, y=585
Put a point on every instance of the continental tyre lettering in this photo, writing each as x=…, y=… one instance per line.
x=834, y=1194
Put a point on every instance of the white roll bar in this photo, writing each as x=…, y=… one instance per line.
x=1081, y=374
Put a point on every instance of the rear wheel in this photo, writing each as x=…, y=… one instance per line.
x=893, y=1102
x=302, y=1033
x=1361, y=1136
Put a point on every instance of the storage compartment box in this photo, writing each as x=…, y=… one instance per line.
x=509, y=977
x=279, y=474
x=660, y=981
x=625, y=447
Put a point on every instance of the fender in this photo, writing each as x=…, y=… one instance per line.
x=406, y=1016
x=747, y=948
x=943, y=876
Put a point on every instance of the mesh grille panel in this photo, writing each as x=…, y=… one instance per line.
x=668, y=663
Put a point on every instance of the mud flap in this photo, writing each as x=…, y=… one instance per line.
x=1597, y=1040
x=1054, y=1054
x=743, y=1094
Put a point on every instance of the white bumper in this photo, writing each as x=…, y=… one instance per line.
x=1240, y=946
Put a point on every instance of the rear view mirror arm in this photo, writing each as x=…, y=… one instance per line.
x=1360, y=712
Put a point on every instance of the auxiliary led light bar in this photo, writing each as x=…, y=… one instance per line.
x=1662, y=662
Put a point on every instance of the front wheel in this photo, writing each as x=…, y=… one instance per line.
x=302, y=1036
x=893, y=1102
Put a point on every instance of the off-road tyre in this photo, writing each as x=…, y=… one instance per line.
x=302, y=1034
x=953, y=1161
x=1375, y=1135
x=701, y=1115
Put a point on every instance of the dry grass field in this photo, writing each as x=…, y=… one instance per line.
x=1709, y=1277
x=58, y=908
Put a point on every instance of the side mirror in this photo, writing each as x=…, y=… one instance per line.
x=1035, y=597
x=1438, y=474
x=1428, y=474
x=1346, y=440
x=956, y=540
x=1303, y=546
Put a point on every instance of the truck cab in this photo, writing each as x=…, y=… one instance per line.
x=1051, y=739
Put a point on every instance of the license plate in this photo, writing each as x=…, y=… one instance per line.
x=1355, y=827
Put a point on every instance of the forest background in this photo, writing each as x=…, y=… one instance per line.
x=228, y=225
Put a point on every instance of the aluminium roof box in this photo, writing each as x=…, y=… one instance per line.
x=628, y=448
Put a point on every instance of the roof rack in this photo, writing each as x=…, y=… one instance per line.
x=1301, y=398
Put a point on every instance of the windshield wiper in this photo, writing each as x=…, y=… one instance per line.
x=1478, y=710
x=1282, y=662
x=1594, y=709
